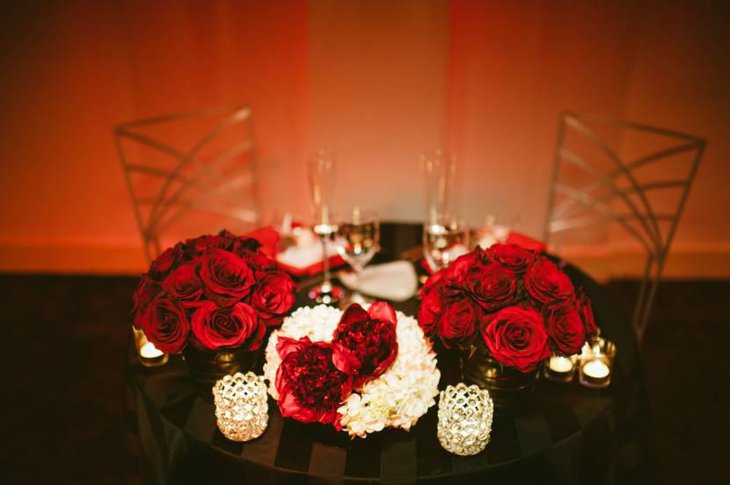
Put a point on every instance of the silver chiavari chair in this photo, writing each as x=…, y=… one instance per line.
x=609, y=173
x=189, y=174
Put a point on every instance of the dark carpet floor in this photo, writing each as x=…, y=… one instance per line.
x=63, y=359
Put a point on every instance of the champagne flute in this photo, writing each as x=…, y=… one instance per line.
x=321, y=171
x=444, y=240
x=357, y=239
x=439, y=168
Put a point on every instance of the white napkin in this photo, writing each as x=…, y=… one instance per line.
x=305, y=256
x=394, y=281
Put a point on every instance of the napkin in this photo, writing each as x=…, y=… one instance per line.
x=304, y=258
x=394, y=281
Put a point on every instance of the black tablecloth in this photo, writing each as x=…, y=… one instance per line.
x=567, y=433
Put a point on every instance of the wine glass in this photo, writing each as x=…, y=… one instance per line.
x=444, y=239
x=321, y=172
x=357, y=239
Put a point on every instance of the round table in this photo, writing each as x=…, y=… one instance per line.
x=567, y=433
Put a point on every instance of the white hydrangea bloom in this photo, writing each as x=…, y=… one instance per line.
x=396, y=399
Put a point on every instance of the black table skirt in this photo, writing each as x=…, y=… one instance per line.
x=567, y=433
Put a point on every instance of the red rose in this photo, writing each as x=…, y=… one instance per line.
x=457, y=272
x=565, y=328
x=457, y=323
x=586, y=312
x=243, y=245
x=313, y=379
x=516, y=337
x=434, y=282
x=511, y=256
x=258, y=262
x=546, y=283
x=432, y=305
x=493, y=286
x=184, y=283
x=371, y=337
x=170, y=257
x=273, y=297
x=228, y=327
x=147, y=290
x=165, y=324
x=203, y=244
x=227, y=278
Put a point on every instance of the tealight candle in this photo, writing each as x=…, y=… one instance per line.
x=149, y=351
x=597, y=362
x=559, y=368
x=596, y=369
x=148, y=354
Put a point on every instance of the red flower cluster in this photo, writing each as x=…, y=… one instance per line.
x=315, y=377
x=217, y=292
x=520, y=303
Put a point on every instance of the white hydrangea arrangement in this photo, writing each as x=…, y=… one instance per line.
x=397, y=398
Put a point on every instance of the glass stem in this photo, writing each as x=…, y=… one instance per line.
x=356, y=294
x=326, y=284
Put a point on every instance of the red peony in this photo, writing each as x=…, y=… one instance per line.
x=217, y=328
x=227, y=278
x=457, y=323
x=546, y=283
x=511, y=256
x=493, y=286
x=166, y=325
x=313, y=379
x=516, y=337
x=273, y=296
x=565, y=328
x=184, y=284
x=371, y=337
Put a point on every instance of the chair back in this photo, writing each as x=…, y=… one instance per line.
x=611, y=175
x=190, y=174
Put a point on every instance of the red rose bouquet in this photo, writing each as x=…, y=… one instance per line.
x=514, y=301
x=214, y=292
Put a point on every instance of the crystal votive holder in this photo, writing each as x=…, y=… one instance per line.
x=241, y=407
x=560, y=369
x=596, y=363
x=147, y=353
x=464, y=419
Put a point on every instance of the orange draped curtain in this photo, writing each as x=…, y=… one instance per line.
x=379, y=82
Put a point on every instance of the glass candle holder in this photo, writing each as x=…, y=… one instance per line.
x=464, y=419
x=147, y=353
x=560, y=369
x=241, y=408
x=596, y=363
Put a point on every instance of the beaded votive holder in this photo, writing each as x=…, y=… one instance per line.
x=464, y=419
x=241, y=407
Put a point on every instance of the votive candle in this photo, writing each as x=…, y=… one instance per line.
x=596, y=364
x=559, y=368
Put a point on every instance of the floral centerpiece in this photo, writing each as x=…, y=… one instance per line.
x=358, y=370
x=507, y=303
x=212, y=293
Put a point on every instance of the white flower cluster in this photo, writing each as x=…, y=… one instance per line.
x=396, y=399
